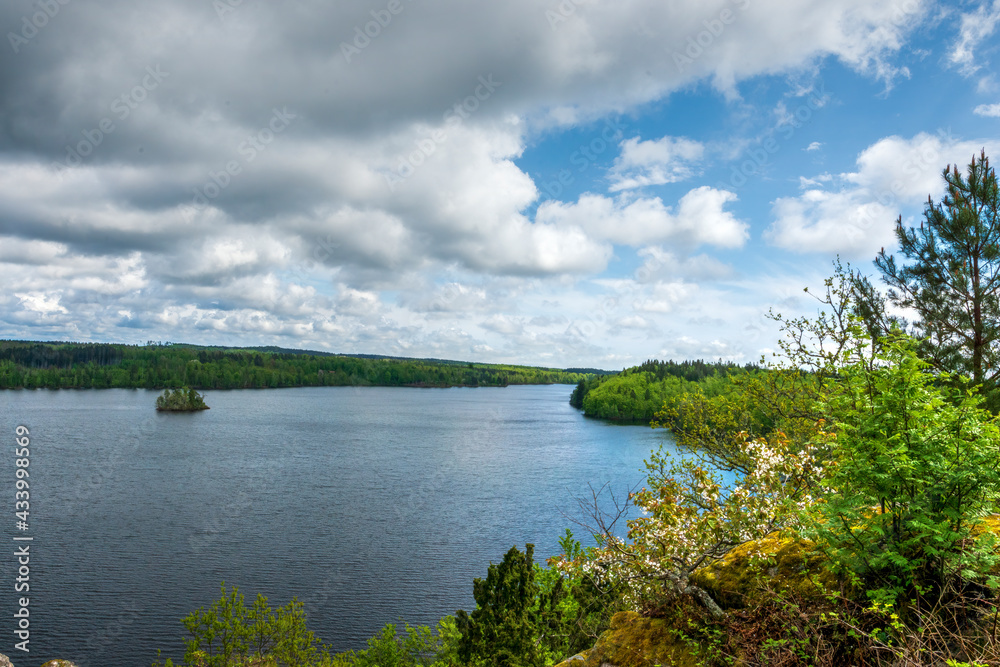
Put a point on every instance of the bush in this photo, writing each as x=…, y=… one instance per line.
x=528, y=616
x=416, y=647
x=917, y=469
x=230, y=633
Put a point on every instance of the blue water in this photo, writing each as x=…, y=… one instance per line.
x=370, y=505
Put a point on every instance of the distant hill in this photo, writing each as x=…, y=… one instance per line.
x=34, y=364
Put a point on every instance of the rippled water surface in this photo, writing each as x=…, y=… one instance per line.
x=371, y=505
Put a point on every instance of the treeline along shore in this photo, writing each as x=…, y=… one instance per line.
x=65, y=365
x=637, y=394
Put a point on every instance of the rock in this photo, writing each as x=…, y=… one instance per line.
x=636, y=641
x=749, y=574
x=568, y=662
x=5, y=662
x=788, y=565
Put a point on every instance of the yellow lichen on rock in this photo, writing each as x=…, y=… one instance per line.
x=575, y=661
x=774, y=563
x=637, y=641
x=751, y=574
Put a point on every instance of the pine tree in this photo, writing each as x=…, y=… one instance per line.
x=952, y=281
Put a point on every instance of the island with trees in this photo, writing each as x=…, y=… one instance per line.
x=181, y=400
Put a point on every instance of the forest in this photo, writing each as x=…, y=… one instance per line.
x=58, y=365
x=638, y=393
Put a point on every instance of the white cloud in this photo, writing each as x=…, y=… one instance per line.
x=655, y=162
x=700, y=218
x=660, y=263
x=503, y=324
x=666, y=297
x=303, y=246
x=894, y=176
x=814, y=146
x=359, y=303
x=988, y=110
x=41, y=302
x=974, y=28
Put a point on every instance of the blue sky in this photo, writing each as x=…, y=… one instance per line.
x=574, y=183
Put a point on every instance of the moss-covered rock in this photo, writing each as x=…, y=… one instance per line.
x=748, y=576
x=637, y=641
x=776, y=563
x=577, y=660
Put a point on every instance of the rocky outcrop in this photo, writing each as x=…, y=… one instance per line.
x=636, y=641
x=785, y=564
x=5, y=662
x=751, y=574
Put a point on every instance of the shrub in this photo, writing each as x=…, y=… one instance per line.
x=230, y=633
x=917, y=468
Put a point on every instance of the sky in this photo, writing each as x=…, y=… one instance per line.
x=559, y=183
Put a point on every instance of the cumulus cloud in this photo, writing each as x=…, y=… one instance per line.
x=167, y=172
x=856, y=214
x=700, y=219
x=503, y=324
x=41, y=302
x=988, y=110
x=659, y=263
x=656, y=162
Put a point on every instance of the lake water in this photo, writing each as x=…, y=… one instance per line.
x=371, y=505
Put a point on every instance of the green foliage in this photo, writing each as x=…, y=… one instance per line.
x=501, y=630
x=415, y=647
x=692, y=517
x=952, y=281
x=230, y=633
x=917, y=467
x=83, y=366
x=181, y=400
x=770, y=405
x=529, y=615
x=633, y=397
x=889, y=465
x=579, y=608
x=636, y=394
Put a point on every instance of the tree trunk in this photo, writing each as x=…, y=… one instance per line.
x=684, y=587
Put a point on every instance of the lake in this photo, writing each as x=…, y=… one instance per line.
x=372, y=505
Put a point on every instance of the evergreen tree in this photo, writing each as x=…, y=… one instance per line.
x=501, y=630
x=952, y=280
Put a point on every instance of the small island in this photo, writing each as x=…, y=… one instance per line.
x=180, y=400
